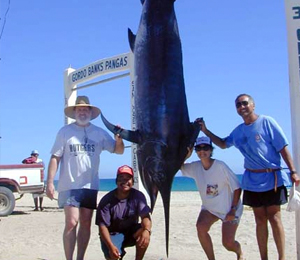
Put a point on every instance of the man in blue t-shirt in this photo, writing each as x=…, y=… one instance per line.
x=262, y=143
x=118, y=216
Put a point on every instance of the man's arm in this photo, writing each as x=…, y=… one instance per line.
x=119, y=147
x=290, y=164
x=105, y=236
x=52, y=169
x=143, y=235
x=146, y=223
x=215, y=139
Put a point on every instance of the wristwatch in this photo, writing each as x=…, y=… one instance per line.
x=148, y=231
x=234, y=207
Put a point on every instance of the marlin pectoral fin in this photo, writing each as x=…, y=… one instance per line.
x=188, y=141
x=152, y=190
x=131, y=136
x=195, y=129
x=131, y=38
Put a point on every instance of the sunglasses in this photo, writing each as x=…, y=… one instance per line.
x=241, y=103
x=204, y=148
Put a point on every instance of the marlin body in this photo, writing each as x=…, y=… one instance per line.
x=163, y=127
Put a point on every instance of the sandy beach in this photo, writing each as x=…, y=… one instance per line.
x=36, y=235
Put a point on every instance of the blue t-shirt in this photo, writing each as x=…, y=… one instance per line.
x=121, y=215
x=260, y=143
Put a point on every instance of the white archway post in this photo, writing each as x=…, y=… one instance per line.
x=119, y=63
x=70, y=93
x=133, y=126
x=292, y=8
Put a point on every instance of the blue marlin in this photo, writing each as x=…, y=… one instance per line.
x=163, y=129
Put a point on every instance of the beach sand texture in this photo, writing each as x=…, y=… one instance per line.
x=32, y=235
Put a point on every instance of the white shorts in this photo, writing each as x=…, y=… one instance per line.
x=38, y=195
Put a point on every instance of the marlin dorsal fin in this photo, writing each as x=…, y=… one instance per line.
x=131, y=38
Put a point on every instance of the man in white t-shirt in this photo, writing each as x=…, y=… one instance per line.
x=77, y=150
x=220, y=193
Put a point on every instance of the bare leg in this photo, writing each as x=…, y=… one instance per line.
x=41, y=203
x=274, y=216
x=84, y=231
x=262, y=233
x=228, y=239
x=204, y=222
x=69, y=236
x=36, y=206
x=139, y=251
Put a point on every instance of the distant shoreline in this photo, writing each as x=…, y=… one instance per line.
x=180, y=183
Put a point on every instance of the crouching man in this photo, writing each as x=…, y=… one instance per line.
x=118, y=216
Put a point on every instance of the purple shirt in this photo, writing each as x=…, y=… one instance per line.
x=120, y=215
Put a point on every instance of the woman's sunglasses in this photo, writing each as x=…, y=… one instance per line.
x=204, y=148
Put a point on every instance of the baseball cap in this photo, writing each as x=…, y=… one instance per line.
x=35, y=152
x=203, y=140
x=125, y=169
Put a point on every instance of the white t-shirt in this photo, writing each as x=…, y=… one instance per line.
x=216, y=186
x=80, y=148
x=40, y=161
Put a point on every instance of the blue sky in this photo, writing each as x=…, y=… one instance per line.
x=229, y=47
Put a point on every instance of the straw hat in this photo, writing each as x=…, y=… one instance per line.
x=82, y=101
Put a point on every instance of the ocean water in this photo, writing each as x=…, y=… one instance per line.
x=179, y=184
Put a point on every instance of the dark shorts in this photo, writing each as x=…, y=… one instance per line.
x=266, y=198
x=81, y=198
x=121, y=241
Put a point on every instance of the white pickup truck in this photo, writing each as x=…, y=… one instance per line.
x=18, y=178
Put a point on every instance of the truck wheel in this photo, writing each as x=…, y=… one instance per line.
x=7, y=201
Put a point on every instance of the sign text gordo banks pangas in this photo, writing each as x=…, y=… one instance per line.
x=100, y=67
